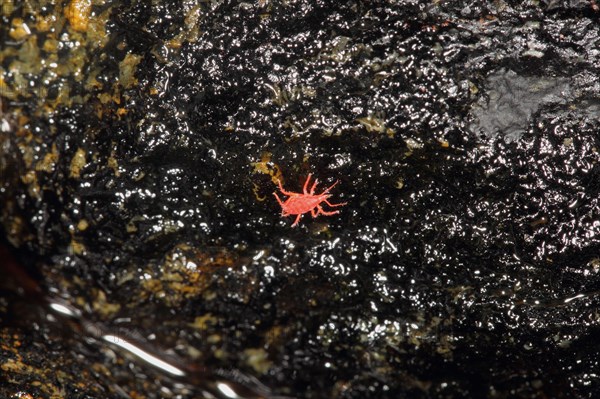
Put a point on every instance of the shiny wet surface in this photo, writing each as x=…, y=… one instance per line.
x=137, y=186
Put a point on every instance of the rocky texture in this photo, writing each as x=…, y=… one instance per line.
x=141, y=144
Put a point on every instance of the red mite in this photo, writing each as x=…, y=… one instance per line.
x=301, y=203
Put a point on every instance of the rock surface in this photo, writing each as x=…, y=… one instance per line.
x=140, y=143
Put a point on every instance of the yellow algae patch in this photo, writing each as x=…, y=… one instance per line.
x=372, y=124
x=91, y=82
x=26, y=148
x=82, y=225
x=114, y=165
x=77, y=163
x=256, y=191
x=127, y=69
x=96, y=33
x=376, y=125
x=265, y=166
x=106, y=98
x=45, y=22
x=258, y=359
x=45, y=378
x=12, y=366
x=50, y=45
x=19, y=29
x=5, y=90
x=185, y=273
x=192, y=31
x=102, y=306
x=16, y=229
x=49, y=162
x=399, y=183
x=75, y=247
x=204, y=322
x=30, y=178
x=78, y=13
x=28, y=61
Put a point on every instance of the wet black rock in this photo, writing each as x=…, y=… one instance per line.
x=140, y=147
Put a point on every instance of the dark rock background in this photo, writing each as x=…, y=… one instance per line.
x=140, y=144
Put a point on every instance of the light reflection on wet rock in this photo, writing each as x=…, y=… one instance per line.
x=140, y=147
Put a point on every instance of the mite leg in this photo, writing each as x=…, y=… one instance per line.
x=314, y=212
x=306, y=184
x=278, y=199
x=297, y=220
x=323, y=212
x=312, y=189
x=282, y=190
x=334, y=205
x=330, y=187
